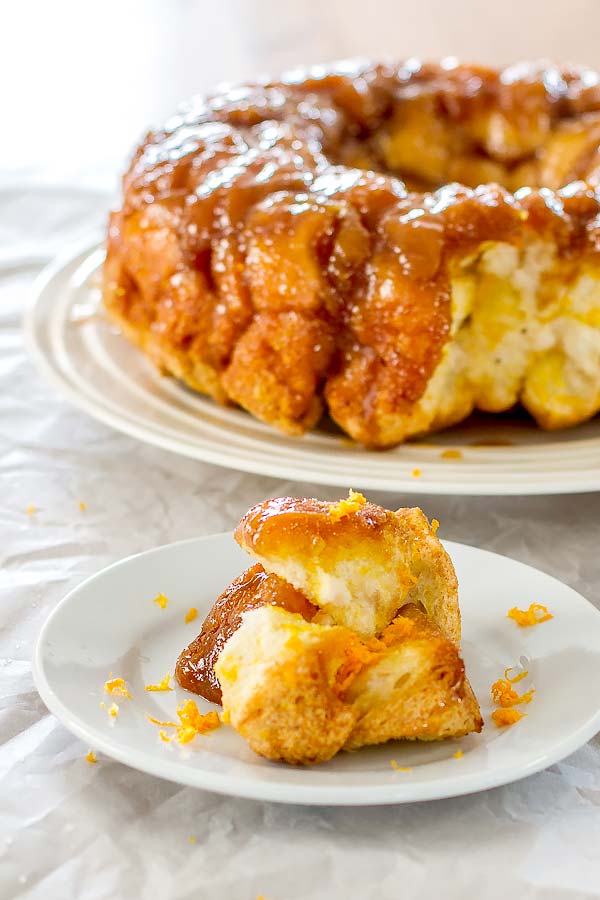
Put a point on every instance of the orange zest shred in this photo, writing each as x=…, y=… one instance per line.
x=164, y=685
x=416, y=473
x=193, y=722
x=503, y=717
x=117, y=687
x=515, y=678
x=31, y=509
x=451, y=454
x=191, y=614
x=161, y=601
x=398, y=768
x=351, y=504
x=82, y=505
x=458, y=754
x=357, y=655
x=398, y=630
x=163, y=724
x=186, y=734
x=536, y=613
x=113, y=711
x=91, y=757
x=504, y=694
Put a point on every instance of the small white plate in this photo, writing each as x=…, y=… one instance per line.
x=110, y=624
x=88, y=359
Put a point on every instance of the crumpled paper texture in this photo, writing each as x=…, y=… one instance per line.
x=69, y=829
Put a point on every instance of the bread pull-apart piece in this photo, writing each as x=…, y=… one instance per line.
x=253, y=588
x=300, y=692
x=416, y=689
x=281, y=680
x=357, y=562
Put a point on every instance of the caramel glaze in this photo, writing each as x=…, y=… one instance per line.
x=271, y=523
x=253, y=588
x=268, y=253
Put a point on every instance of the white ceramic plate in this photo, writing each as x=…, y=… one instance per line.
x=110, y=624
x=101, y=372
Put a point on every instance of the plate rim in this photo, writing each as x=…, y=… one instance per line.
x=495, y=484
x=317, y=795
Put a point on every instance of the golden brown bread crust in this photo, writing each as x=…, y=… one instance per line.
x=194, y=670
x=255, y=260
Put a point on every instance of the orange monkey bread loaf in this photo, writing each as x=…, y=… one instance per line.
x=395, y=245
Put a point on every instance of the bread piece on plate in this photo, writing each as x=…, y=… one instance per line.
x=194, y=670
x=418, y=689
x=359, y=563
x=300, y=692
x=279, y=678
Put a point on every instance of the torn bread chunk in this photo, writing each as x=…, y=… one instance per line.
x=253, y=588
x=417, y=690
x=357, y=562
x=344, y=633
x=278, y=677
x=301, y=692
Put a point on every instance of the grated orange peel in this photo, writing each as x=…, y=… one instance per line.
x=506, y=698
x=191, y=723
x=117, y=687
x=162, y=724
x=534, y=615
x=194, y=722
x=163, y=685
x=503, y=694
x=504, y=717
x=451, y=454
x=398, y=630
x=353, y=502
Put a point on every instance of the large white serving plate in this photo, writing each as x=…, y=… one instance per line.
x=110, y=624
x=87, y=358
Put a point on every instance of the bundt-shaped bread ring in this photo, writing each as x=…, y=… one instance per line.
x=321, y=242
